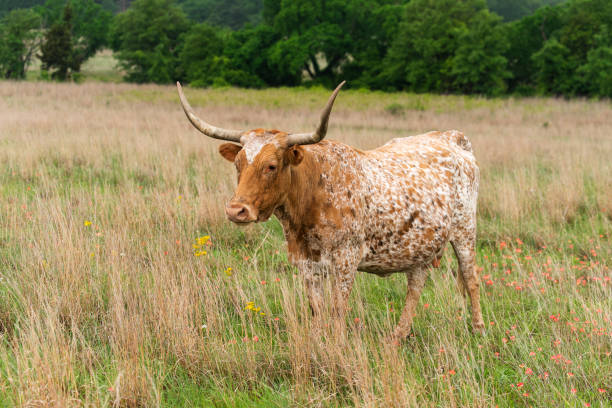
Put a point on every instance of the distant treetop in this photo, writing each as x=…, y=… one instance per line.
x=511, y=10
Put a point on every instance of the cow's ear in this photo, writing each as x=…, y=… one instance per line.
x=229, y=151
x=294, y=155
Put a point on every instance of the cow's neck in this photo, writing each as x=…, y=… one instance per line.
x=301, y=206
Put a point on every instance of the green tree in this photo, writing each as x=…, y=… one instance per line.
x=19, y=38
x=201, y=56
x=147, y=39
x=224, y=13
x=478, y=65
x=554, y=70
x=596, y=73
x=434, y=37
x=6, y=6
x=90, y=23
x=378, y=26
x=526, y=37
x=249, y=64
x=324, y=41
x=57, y=52
x=512, y=10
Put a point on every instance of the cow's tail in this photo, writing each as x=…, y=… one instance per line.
x=460, y=139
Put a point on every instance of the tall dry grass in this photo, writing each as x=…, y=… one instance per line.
x=104, y=190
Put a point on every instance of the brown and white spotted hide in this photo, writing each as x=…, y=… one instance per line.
x=391, y=209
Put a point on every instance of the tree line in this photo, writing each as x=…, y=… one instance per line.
x=441, y=46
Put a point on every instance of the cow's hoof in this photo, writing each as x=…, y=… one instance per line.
x=478, y=329
x=396, y=339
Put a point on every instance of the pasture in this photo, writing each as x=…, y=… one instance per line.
x=122, y=283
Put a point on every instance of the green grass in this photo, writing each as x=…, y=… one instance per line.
x=517, y=307
x=122, y=307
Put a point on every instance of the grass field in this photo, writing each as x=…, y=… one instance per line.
x=109, y=199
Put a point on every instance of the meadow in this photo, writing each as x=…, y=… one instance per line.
x=122, y=283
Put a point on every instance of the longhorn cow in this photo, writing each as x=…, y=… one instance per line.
x=382, y=211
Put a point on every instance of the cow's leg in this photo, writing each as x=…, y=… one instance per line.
x=344, y=277
x=416, y=281
x=313, y=275
x=465, y=252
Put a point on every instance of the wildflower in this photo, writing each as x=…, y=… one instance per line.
x=570, y=374
x=250, y=306
x=426, y=305
x=573, y=390
x=228, y=271
x=276, y=319
x=356, y=320
x=528, y=371
x=91, y=254
x=255, y=338
x=519, y=385
x=451, y=372
x=277, y=280
x=87, y=223
x=200, y=253
x=203, y=240
x=601, y=390
x=263, y=282
x=525, y=394
x=203, y=326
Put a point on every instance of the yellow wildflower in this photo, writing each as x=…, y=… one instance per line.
x=200, y=253
x=87, y=223
x=203, y=240
x=228, y=271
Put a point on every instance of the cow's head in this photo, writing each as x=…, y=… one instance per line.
x=263, y=159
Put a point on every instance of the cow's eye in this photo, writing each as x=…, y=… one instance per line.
x=271, y=167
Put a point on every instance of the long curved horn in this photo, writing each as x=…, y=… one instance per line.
x=207, y=129
x=319, y=134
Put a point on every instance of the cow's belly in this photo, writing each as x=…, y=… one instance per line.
x=402, y=256
x=407, y=242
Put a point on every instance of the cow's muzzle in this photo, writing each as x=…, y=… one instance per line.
x=240, y=213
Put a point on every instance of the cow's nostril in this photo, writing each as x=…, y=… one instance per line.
x=240, y=212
